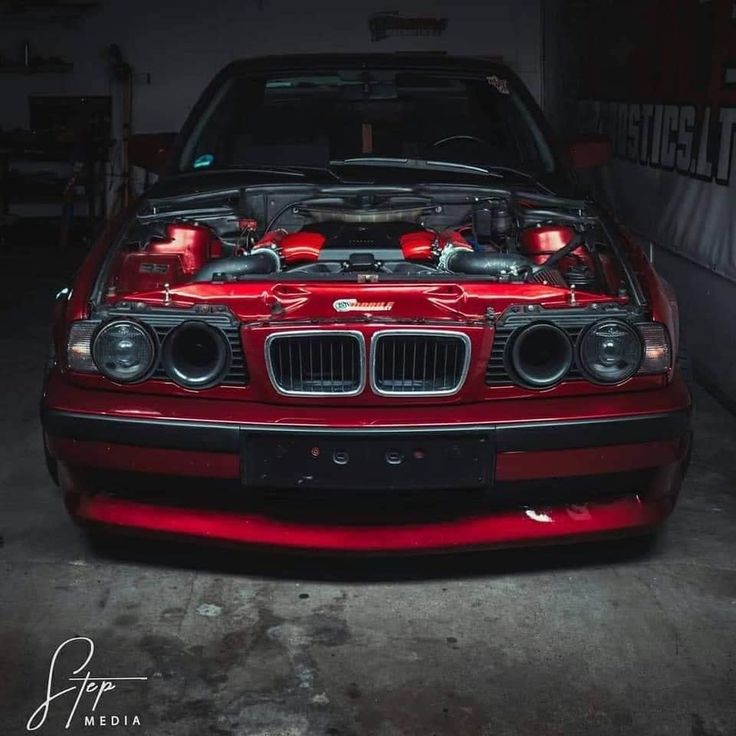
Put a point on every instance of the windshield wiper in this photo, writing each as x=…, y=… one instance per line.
x=258, y=169
x=497, y=172
x=302, y=171
x=414, y=163
x=501, y=170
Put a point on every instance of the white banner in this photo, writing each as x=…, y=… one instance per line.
x=672, y=179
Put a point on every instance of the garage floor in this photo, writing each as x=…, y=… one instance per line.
x=595, y=639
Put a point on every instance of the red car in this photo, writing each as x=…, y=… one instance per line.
x=367, y=308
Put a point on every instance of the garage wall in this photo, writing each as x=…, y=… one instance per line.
x=658, y=77
x=182, y=44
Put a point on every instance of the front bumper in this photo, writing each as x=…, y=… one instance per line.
x=640, y=439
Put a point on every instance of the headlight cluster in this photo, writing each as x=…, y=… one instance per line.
x=194, y=354
x=198, y=355
x=610, y=351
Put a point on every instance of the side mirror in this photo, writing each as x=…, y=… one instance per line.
x=586, y=153
x=150, y=151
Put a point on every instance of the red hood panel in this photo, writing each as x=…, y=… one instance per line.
x=341, y=301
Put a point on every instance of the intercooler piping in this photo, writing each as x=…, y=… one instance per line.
x=461, y=260
x=263, y=262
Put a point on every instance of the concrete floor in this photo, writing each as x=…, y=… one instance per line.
x=595, y=639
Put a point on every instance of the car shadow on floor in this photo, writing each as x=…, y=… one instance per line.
x=370, y=568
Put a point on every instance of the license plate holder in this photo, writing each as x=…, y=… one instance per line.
x=399, y=461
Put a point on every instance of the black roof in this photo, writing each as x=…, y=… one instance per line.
x=437, y=61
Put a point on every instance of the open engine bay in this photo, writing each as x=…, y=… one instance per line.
x=369, y=234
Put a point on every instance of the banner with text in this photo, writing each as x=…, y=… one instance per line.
x=662, y=86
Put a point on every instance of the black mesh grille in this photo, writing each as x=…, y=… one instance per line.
x=421, y=363
x=323, y=363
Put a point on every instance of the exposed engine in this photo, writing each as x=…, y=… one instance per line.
x=496, y=239
x=542, y=270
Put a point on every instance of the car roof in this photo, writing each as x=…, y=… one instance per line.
x=435, y=61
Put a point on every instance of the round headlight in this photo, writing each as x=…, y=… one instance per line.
x=539, y=355
x=610, y=351
x=124, y=351
x=196, y=355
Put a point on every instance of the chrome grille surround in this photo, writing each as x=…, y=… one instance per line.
x=411, y=383
x=295, y=368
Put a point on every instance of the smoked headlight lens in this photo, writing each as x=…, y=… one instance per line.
x=610, y=351
x=124, y=351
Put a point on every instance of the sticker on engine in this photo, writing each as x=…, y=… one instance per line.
x=153, y=268
x=501, y=85
x=353, y=305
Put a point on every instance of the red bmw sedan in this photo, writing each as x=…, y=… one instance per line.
x=367, y=308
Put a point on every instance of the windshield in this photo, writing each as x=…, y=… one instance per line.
x=401, y=117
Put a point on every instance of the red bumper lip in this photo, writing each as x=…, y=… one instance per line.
x=506, y=528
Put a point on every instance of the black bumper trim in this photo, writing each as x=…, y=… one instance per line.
x=220, y=437
x=165, y=434
x=564, y=435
